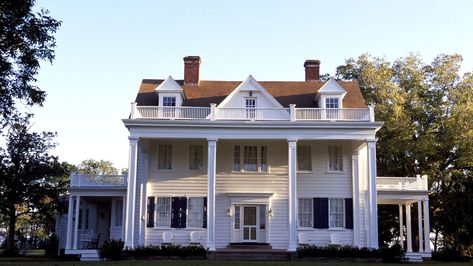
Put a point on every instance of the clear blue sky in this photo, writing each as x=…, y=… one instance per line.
x=104, y=49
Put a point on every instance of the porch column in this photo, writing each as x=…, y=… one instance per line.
x=419, y=218
x=211, y=164
x=69, y=222
x=426, y=226
x=401, y=226
x=292, y=156
x=356, y=200
x=76, y=223
x=131, y=193
x=409, y=227
x=373, y=207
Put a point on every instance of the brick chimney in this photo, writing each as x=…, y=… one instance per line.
x=191, y=70
x=312, y=72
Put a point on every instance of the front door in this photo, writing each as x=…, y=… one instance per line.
x=250, y=229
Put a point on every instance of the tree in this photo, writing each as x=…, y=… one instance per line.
x=427, y=110
x=26, y=38
x=31, y=179
x=94, y=167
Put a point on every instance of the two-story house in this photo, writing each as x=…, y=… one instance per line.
x=216, y=163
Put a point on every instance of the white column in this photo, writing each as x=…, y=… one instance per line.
x=373, y=207
x=131, y=193
x=292, y=176
x=409, y=227
x=69, y=222
x=76, y=223
x=419, y=218
x=426, y=226
x=356, y=200
x=401, y=226
x=211, y=164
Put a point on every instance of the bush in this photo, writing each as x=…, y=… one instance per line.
x=165, y=251
x=337, y=251
x=111, y=250
x=449, y=255
x=51, y=246
x=392, y=254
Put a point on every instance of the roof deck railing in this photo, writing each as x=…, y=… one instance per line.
x=83, y=180
x=402, y=183
x=251, y=114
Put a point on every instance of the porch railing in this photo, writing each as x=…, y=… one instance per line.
x=402, y=183
x=252, y=114
x=82, y=180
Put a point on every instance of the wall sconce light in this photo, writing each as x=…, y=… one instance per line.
x=270, y=212
x=229, y=212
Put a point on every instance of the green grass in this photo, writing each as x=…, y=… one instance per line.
x=19, y=262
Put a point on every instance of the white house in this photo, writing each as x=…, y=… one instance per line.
x=282, y=163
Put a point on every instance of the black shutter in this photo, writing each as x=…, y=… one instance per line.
x=182, y=212
x=321, y=213
x=151, y=208
x=204, y=214
x=349, y=213
x=175, y=212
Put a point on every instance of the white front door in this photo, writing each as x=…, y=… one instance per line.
x=250, y=224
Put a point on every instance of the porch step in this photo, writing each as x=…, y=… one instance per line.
x=259, y=246
x=414, y=257
x=250, y=254
x=90, y=255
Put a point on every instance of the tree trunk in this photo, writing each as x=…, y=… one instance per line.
x=11, y=250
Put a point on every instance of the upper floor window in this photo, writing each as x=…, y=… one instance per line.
x=331, y=103
x=196, y=160
x=304, y=158
x=250, y=108
x=169, y=101
x=252, y=160
x=335, y=159
x=165, y=157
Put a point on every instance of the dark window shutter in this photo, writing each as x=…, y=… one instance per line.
x=150, y=222
x=349, y=213
x=204, y=213
x=321, y=213
x=182, y=212
x=175, y=212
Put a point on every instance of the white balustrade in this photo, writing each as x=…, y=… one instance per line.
x=252, y=114
x=351, y=114
x=185, y=112
x=82, y=180
x=402, y=183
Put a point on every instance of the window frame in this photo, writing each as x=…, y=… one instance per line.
x=250, y=158
x=329, y=158
x=200, y=212
x=311, y=213
x=250, y=108
x=329, y=101
x=309, y=159
x=200, y=160
x=239, y=159
x=343, y=223
x=160, y=146
x=169, y=211
x=169, y=99
x=116, y=210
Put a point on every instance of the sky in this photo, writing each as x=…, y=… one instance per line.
x=105, y=48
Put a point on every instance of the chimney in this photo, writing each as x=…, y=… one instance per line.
x=191, y=70
x=312, y=72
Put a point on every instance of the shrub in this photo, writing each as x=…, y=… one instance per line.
x=394, y=253
x=166, y=251
x=337, y=251
x=51, y=246
x=449, y=255
x=111, y=250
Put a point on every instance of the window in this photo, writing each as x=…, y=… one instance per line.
x=163, y=210
x=262, y=217
x=335, y=159
x=250, y=158
x=196, y=161
x=165, y=157
x=331, y=103
x=336, y=213
x=250, y=108
x=264, y=158
x=304, y=158
x=236, y=158
x=237, y=217
x=169, y=101
x=118, y=212
x=305, y=213
x=195, y=216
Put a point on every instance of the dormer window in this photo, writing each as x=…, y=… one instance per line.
x=250, y=108
x=331, y=103
x=169, y=101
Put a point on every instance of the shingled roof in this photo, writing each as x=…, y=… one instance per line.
x=301, y=93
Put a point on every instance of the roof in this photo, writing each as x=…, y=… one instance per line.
x=301, y=93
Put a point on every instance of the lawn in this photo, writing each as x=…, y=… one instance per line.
x=21, y=262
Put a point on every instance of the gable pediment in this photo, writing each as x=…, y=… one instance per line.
x=331, y=87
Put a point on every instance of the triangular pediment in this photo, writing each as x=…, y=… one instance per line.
x=250, y=88
x=331, y=87
x=169, y=85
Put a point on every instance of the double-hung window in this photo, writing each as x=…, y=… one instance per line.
x=255, y=158
x=250, y=108
x=336, y=213
x=331, y=103
x=195, y=215
x=305, y=216
x=304, y=158
x=168, y=106
x=250, y=158
x=196, y=158
x=165, y=157
x=335, y=159
x=163, y=212
x=236, y=158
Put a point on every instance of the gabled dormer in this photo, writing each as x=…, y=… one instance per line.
x=170, y=93
x=330, y=95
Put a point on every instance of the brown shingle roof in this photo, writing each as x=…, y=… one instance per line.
x=300, y=93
